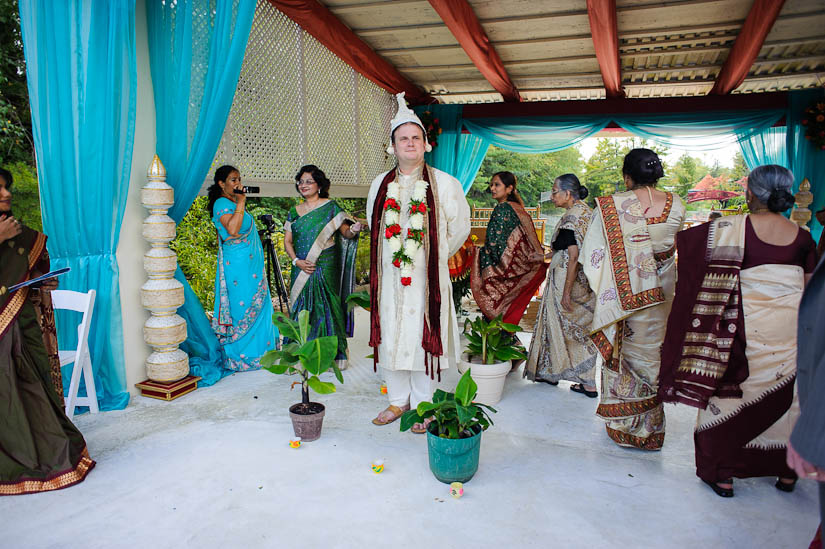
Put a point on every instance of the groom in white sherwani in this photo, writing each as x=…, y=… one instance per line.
x=419, y=218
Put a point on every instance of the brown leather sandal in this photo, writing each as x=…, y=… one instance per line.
x=389, y=414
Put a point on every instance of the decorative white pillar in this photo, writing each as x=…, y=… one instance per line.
x=162, y=294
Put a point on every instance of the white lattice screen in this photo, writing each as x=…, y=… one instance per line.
x=297, y=104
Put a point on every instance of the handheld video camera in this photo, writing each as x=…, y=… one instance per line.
x=247, y=190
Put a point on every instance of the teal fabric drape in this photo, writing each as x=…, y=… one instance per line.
x=196, y=49
x=459, y=154
x=699, y=130
x=536, y=134
x=81, y=70
x=805, y=160
x=765, y=147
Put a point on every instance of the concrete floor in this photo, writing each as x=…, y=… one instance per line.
x=214, y=469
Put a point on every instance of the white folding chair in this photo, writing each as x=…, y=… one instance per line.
x=82, y=303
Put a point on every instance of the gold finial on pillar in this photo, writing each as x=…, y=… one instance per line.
x=801, y=214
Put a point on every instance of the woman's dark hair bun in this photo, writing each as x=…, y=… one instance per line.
x=780, y=200
x=583, y=192
x=643, y=166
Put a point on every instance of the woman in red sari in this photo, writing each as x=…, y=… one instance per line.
x=510, y=266
x=730, y=348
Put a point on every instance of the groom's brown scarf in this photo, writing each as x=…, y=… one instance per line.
x=431, y=338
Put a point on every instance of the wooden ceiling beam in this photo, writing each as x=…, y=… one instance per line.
x=325, y=27
x=460, y=18
x=738, y=64
x=605, y=32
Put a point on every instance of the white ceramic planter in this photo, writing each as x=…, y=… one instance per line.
x=489, y=378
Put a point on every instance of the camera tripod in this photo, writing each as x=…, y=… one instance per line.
x=273, y=268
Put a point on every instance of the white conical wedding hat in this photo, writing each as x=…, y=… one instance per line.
x=403, y=116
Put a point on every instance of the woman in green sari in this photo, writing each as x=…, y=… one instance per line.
x=40, y=448
x=323, y=263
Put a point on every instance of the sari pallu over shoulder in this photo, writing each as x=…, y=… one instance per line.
x=506, y=286
x=704, y=348
x=26, y=251
x=324, y=239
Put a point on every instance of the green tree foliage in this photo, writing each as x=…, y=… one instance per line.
x=16, y=143
x=686, y=172
x=603, y=170
x=535, y=173
x=25, y=195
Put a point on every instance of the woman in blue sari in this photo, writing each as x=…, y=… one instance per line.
x=242, y=317
x=323, y=263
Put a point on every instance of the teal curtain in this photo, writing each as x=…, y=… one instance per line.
x=458, y=154
x=81, y=71
x=540, y=134
x=765, y=147
x=703, y=130
x=196, y=49
x=804, y=159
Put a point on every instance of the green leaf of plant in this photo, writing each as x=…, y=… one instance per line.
x=277, y=368
x=439, y=396
x=310, y=356
x=465, y=414
x=358, y=299
x=338, y=375
x=286, y=326
x=409, y=418
x=303, y=324
x=320, y=387
x=466, y=389
x=452, y=431
x=512, y=328
x=425, y=407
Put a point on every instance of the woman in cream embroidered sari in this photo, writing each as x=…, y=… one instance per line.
x=628, y=257
x=561, y=347
x=323, y=264
x=730, y=348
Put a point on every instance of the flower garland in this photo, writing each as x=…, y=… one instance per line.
x=403, y=250
x=814, y=123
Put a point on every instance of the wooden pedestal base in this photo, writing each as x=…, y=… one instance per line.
x=168, y=391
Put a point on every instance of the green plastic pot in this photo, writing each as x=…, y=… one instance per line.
x=454, y=460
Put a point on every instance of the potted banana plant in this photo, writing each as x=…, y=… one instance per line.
x=309, y=358
x=454, y=431
x=491, y=348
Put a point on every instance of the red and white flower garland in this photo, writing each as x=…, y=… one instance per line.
x=403, y=250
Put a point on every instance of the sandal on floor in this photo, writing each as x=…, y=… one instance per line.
x=389, y=414
x=785, y=486
x=579, y=388
x=421, y=428
x=539, y=380
x=721, y=492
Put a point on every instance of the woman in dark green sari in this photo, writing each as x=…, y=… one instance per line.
x=323, y=263
x=40, y=448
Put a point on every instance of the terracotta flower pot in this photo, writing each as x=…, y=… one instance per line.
x=307, y=421
x=490, y=378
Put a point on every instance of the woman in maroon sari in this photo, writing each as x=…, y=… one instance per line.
x=730, y=348
x=510, y=266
